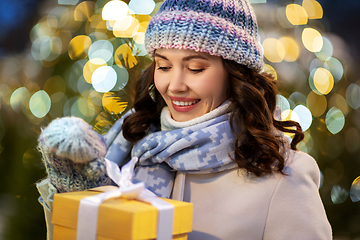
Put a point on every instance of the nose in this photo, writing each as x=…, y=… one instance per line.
x=177, y=82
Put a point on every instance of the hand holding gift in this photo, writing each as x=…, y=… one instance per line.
x=138, y=214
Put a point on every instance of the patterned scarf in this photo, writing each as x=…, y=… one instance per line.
x=202, y=148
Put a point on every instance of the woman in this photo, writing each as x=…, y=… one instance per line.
x=204, y=131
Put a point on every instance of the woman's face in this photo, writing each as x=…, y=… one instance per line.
x=191, y=83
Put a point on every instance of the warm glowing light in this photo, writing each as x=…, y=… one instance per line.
x=96, y=25
x=91, y=66
x=124, y=56
x=313, y=9
x=269, y=69
x=274, y=50
x=292, y=49
x=355, y=190
x=139, y=38
x=339, y=102
x=113, y=104
x=115, y=11
x=18, y=99
x=126, y=28
x=79, y=46
x=296, y=14
x=84, y=11
x=286, y=115
x=323, y=80
x=55, y=84
x=312, y=40
x=317, y=104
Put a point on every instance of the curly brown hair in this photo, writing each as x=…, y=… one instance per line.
x=253, y=103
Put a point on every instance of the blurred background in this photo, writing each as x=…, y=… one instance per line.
x=71, y=57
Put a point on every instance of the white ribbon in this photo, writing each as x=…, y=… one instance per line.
x=89, y=206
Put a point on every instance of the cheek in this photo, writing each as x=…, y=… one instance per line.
x=215, y=87
x=160, y=85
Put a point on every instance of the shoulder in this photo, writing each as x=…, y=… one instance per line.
x=301, y=166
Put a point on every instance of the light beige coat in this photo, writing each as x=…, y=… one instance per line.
x=231, y=205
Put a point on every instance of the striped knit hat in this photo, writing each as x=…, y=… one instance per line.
x=225, y=28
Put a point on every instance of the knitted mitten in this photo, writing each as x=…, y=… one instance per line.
x=73, y=155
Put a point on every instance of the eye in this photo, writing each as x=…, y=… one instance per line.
x=198, y=70
x=164, y=69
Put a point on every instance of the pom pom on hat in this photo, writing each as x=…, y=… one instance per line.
x=72, y=138
x=225, y=28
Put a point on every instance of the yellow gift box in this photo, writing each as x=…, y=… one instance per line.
x=118, y=218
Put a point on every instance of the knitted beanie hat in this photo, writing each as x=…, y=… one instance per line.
x=225, y=28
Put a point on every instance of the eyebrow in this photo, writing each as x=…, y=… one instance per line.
x=188, y=58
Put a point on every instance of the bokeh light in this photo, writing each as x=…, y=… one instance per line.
x=40, y=104
x=321, y=81
x=326, y=51
x=124, y=56
x=84, y=56
x=283, y=104
x=292, y=49
x=334, y=120
x=102, y=49
x=91, y=66
x=68, y=2
x=353, y=96
x=355, y=190
x=312, y=40
x=304, y=115
x=296, y=14
x=122, y=77
x=274, y=50
x=84, y=10
x=113, y=103
x=79, y=46
x=317, y=104
x=338, y=194
x=313, y=9
x=335, y=67
x=142, y=6
x=115, y=10
x=126, y=28
x=339, y=102
x=18, y=99
x=269, y=69
x=104, y=79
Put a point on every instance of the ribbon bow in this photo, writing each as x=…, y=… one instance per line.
x=89, y=206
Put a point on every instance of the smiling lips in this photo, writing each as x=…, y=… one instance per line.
x=184, y=104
